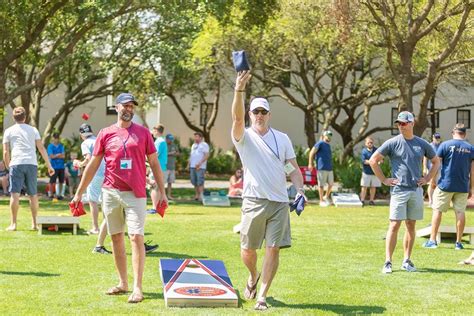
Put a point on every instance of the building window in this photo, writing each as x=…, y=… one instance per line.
x=285, y=79
x=393, y=118
x=109, y=105
x=205, y=113
x=464, y=117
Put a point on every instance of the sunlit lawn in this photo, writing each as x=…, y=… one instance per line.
x=333, y=267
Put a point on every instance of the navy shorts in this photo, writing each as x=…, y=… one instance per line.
x=24, y=176
x=197, y=176
x=58, y=174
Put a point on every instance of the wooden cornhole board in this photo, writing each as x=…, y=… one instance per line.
x=346, y=199
x=196, y=283
x=61, y=221
x=445, y=232
x=215, y=199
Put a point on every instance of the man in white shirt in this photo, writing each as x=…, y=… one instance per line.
x=197, y=164
x=268, y=157
x=22, y=140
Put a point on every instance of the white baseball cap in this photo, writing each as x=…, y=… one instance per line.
x=259, y=103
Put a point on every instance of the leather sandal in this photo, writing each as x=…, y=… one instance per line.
x=251, y=291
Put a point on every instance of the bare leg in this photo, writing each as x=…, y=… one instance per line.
x=138, y=263
x=431, y=188
x=14, y=206
x=154, y=194
x=435, y=222
x=102, y=234
x=409, y=238
x=168, y=190
x=270, y=267
x=328, y=192
x=321, y=193
x=363, y=193
x=372, y=193
x=120, y=258
x=95, y=216
x=34, y=206
x=460, y=223
x=391, y=240
x=249, y=258
x=200, y=191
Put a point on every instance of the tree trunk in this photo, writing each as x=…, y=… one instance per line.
x=309, y=127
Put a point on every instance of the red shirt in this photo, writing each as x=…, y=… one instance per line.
x=117, y=144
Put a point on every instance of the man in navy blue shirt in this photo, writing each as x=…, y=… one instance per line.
x=427, y=166
x=457, y=170
x=322, y=152
x=368, y=179
x=406, y=152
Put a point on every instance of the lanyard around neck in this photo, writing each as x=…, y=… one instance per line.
x=277, y=153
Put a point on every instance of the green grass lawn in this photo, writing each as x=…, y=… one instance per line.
x=333, y=267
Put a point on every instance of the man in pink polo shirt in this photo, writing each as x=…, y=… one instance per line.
x=124, y=146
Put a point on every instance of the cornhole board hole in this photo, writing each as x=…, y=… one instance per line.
x=196, y=283
x=61, y=221
x=446, y=232
x=346, y=199
x=215, y=199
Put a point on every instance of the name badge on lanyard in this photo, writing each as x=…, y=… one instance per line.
x=125, y=162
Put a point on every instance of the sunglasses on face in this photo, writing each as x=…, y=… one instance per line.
x=402, y=123
x=264, y=112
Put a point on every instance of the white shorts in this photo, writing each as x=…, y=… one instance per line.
x=94, y=190
x=170, y=176
x=122, y=207
x=369, y=180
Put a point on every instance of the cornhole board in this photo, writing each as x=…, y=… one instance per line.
x=196, y=283
x=61, y=221
x=215, y=199
x=446, y=232
x=346, y=199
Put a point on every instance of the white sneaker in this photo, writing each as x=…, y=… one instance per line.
x=328, y=201
x=323, y=203
x=387, y=267
x=408, y=266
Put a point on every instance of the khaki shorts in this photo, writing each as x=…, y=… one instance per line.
x=264, y=219
x=122, y=207
x=442, y=198
x=369, y=181
x=407, y=205
x=325, y=177
x=170, y=176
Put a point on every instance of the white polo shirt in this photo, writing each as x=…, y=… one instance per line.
x=263, y=159
x=198, y=151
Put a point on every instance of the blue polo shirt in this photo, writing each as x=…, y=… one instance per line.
x=365, y=155
x=56, y=163
x=435, y=148
x=457, y=156
x=323, y=156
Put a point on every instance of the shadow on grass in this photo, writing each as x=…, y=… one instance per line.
x=153, y=296
x=38, y=274
x=172, y=255
x=429, y=270
x=334, y=308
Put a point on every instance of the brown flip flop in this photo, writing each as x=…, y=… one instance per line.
x=251, y=291
x=135, y=298
x=116, y=291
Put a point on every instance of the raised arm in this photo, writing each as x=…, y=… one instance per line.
x=238, y=107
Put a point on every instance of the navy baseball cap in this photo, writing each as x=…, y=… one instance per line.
x=437, y=135
x=85, y=130
x=405, y=117
x=124, y=98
